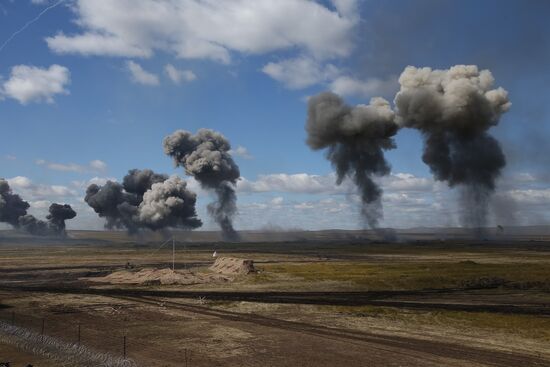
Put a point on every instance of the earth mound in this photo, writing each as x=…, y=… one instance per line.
x=233, y=266
x=150, y=276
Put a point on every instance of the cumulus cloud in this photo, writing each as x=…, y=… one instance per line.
x=241, y=152
x=300, y=72
x=347, y=86
x=292, y=183
x=36, y=192
x=140, y=75
x=179, y=76
x=94, y=166
x=304, y=183
x=196, y=29
x=34, y=84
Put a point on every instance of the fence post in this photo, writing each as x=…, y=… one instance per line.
x=78, y=342
x=13, y=318
x=124, y=347
x=43, y=324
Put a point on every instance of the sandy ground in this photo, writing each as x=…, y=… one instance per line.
x=267, y=319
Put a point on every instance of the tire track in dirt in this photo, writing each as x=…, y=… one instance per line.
x=410, y=347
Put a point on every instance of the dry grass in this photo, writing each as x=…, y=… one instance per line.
x=415, y=276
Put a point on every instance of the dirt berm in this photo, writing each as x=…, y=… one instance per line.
x=224, y=269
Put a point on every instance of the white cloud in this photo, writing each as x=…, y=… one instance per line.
x=95, y=180
x=208, y=29
x=406, y=182
x=40, y=204
x=300, y=72
x=98, y=165
x=34, y=84
x=179, y=76
x=241, y=151
x=296, y=183
x=37, y=192
x=10, y=157
x=141, y=76
x=94, y=166
x=277, y=201
x=347, y=8
x=315, y=184
x=531, y=196
x=347, y=86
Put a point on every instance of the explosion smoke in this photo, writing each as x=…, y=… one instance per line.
x=205, y=156
x=356, y=138
x=13, y=210
x=145, y=200
x=59, y=213
x=11, y=205
x=454, y=109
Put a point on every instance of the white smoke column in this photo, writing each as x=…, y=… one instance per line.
x=355, y=139
x=454, y=109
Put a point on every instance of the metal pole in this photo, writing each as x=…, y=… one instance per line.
x=13, y=318
x=185, y=357
x=78, y=342
x=124, y=347
x=43, y=322
x=173, y=254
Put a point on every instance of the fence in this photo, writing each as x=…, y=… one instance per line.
x=56, y=336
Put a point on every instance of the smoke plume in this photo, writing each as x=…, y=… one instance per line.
x=355, y=139
x=205, y=156
x=11, y=205
x=145, y=200
x=13, y=210
x=454, y=109
x=59, y=213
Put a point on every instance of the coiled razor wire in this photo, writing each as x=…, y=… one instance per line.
x=67, y=354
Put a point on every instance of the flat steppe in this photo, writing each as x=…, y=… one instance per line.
x=326, y=298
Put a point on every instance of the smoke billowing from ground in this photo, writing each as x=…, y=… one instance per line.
x=454, y=109
x=13, y=210
x=356, y=138
x=145, y=200
x=205, y=156
x=59, y=213
x=11, y=205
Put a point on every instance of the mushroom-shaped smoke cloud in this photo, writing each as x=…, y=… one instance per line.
x=205, y=156
x=356, y=138
x=453, y=109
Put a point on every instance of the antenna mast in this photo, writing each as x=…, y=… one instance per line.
x=173, y=253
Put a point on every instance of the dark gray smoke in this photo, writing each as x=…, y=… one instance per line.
x=454, y=109
x=356, y=138
x=145, y=200
x=55, y=226
x=205, y=156
x=13, y=210
x=139, y=181
x=59, y=213
x=11, y=205
x=30, y=224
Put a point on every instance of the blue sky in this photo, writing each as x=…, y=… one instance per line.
x=246, y=68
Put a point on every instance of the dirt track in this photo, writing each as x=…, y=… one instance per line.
x=423, y=299
x=298, y=338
